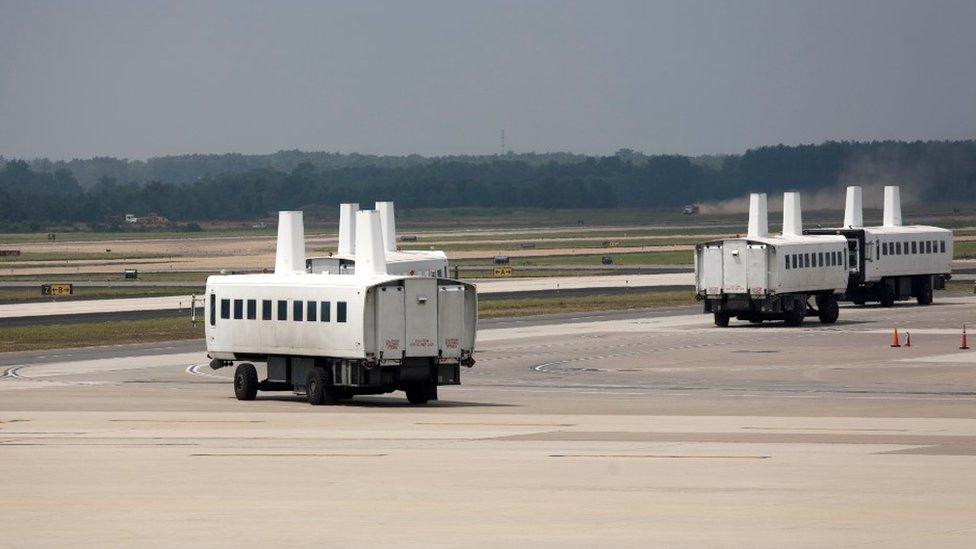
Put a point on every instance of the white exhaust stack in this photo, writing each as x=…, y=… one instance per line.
x=347, y=228
x=758, y=223
x=892, y=206
x=853, y=215
x=370, y=257
x=290, y=252
x=388, y=223
x=792, y=214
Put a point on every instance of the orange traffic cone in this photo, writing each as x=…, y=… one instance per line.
x=908, y=339
x=894, y=339
x=965, y=342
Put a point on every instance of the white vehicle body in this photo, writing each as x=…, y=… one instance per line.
x=380, y=318
x=771, y=265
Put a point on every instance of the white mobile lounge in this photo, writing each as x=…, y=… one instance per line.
x=762, y=277
x=421, y=262
x=893, y=261
x=332, y=336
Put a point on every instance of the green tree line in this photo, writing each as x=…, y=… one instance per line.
x=935, y=170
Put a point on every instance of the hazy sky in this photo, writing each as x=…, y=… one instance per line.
x=138, y=79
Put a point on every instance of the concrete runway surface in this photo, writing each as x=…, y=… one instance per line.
x=641, y=428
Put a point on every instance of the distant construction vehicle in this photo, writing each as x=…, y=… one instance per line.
x=690, y=209
x=762, y=277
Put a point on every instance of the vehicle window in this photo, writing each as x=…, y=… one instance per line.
x=806, y=260
x=224, y=308
x=942, y=246
x=884, y=248
x=794, y=261
x=282, y=309
x=266, y=309
x=340, y=311
x=897, y=248
x=820, y=258
x=252, y=309
x=787, y=258
x=213, y=310
x=877, y=250
x=312, y=310
x=326, y=315
x=238, y=309
x=914, y=247
x=296, y=310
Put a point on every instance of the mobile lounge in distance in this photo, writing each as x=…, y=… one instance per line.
x=762, y=277
x=332, y=336
x=892, y=262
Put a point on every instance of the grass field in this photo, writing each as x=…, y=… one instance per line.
x=57, y=336
x=76, y=256
x=170, y=328
x=15, y=295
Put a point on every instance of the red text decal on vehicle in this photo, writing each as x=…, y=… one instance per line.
x=392, y=344
x=451, y=343
x=422, y=343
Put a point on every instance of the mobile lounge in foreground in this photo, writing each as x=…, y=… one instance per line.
x=332, y=336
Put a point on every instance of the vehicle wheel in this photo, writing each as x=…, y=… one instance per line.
x=319, y=389
x=246, y=382
x=418, y=393
x=828, y=310
x=925, y=292
x=721, y=319
x=794, y=317
x=887, y=297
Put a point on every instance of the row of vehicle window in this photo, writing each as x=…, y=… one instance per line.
x=814, y=259
x=301, y=310
x=910, y=247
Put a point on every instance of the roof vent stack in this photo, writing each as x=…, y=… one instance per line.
x=758, y=222
x=892, y=206
x=792, y=214
x=853, y=215
x=388, y=223
x=370, y=257
x=290, y=251
x=347, y=228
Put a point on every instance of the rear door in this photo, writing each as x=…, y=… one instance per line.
x=450, y=320
x=710, y=269
x=390, y=321
x=420, y=306
x=735, y=262
x=757, y=270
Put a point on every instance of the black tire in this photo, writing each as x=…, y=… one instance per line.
x=794, y=317
x=828, y=310
x=246, y=382
x=418, y=393
x=887, y=297
x=721, y=319
x=924, y=296
x=319, y=389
